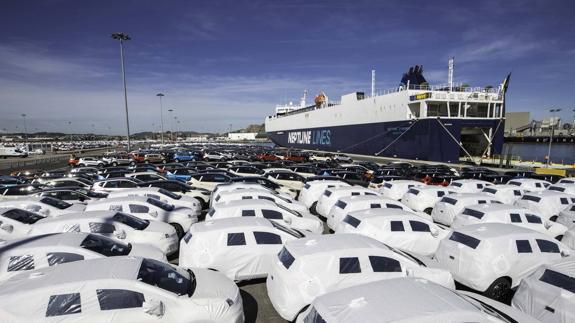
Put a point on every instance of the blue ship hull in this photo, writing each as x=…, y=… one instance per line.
x=423, y=139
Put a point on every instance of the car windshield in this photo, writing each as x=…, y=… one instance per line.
x=131, y=221
x=488, y=309
x=169, y=194
x=160, y=204
x=164, y=276
x=289, y=231
x=23, y=216
x=59, y=204
x=296, y=213
x=105, y=246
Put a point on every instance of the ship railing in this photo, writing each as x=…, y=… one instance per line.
x=307, y=109
x=455, y=88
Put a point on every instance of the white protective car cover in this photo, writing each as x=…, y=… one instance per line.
x=258, y=194
x=505, y=193
x=395, y=189
x=444, y=212
x=375, y=223
x=413, y=300
x=540, y=296
x=548, y=203
x=567, y=217
x=325, y=202
x=24, y=297
x=468, y=185
x=569, y=238
x=311, y=191
x=206, y=246
x=160, y=194
x=424, y=198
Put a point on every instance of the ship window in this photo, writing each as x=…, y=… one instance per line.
x=437, y=109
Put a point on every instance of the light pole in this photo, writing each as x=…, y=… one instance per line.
x=177, y=127
x=123, y=37
x=171, y=125
x=160, y=95
x=25, y=131
x=551, y=134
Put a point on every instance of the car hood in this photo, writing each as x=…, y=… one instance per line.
x=147, y=251
x=212, y=285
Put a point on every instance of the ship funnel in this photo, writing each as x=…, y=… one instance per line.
x=450, y=73
x=372, y=83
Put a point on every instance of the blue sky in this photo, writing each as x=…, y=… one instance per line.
x=231, y=62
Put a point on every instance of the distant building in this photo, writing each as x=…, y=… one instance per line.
x=516, y=121
x=235, y=136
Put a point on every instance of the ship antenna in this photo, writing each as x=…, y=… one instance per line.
x=372, y=83
x=450, y=73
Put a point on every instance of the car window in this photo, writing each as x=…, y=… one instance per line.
x=564, y=200
x=464, y=239
x=533, y=218
x=440, y=193
x=327, y=193
x=523, y=246
x=236, y=239
x=547, y=246
x=160, y=204
x=384, y=264
x=396, y=226
x=23, y=216
x=99, y=227
x=59, y=204
x=340, y=204
x=272, y=214
x=19, y=263
x=393, y=206
x=267, y=238
x=113, y=299
x=286, y=258
x=247, y=197
x=354, y=222
x=289, y=231
x=473, y=213
x=313, y=317
x=449, y=200
x=164, y=276
x=531, y=198
x=515, y=218
x=131, y=221
x=105, y=246
x=137, y=208
x=355, y=193
x=55, y=258
x=248, y=213
x=417, y=226
x=64, y=304
x=349, y=265
x=558, y=280
x=375, y=206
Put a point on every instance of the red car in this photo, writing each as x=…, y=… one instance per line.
x=267, y=157
x=73, y=161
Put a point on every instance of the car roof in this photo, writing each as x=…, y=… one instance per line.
x=246, y=203
x=363, y=198
x=117, y=268
x=72, y=239
x=498, y=230
x=385, y=214
x=496, y=207
x=133, y=198
x=84, y=215
x=332, y=242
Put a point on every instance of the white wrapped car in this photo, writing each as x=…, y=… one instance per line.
x=548, y=293
x=507, y=194
x=117, y=225
x=510, y=214
x=162, y=195
x=53, y=249
x=530, y=184
x=46, y=206
x=120, y=289
x=269, y=210
x=567, y=217
x=348, y=204
x=180, y=217
x=547, y=203
x=493, y=258
x=396, y=228
x=259, y=194
x=563, y=188
x=310, y=267
x=449, y=206
x=423, y=199
x=16, y=223
x=330, y=196
x=311, y=191
x=468, y=185
x=396, y=189
x=407, y=300
x=240, y=248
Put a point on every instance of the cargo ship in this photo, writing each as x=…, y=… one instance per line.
x=414, y=120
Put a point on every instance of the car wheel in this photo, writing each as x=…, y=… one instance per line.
x=132, y=163
x=312, y=209
x=499, y=290
x=428, y=210
x=176, y=160
x=114, y=164
x=81, y=165
x=146, y=161
x=164, y=161
x=553, y=218
x=179, y=230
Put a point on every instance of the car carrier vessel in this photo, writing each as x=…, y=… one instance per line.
x=414, y=120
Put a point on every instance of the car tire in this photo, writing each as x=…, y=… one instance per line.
x=499, y=290
x=146, y=161
x=176, y=160
x=132, y=163
x=114, y=164
x=164, y=161
x=179, y=230
x=553, y=218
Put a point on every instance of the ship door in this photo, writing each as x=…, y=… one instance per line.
x=475, y=141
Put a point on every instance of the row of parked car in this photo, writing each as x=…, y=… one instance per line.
x=329, y=249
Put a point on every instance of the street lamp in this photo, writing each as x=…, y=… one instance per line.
x=160, y=95
x=171, y=125
x=25, y=131
x=123, y=37
x=551, y=134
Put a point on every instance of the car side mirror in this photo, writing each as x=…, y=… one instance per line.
x=154, y=214
x=120, y=234
x=409, y=272
x=288, y=220
x=7, y=227
x=434, y=232
x=154, y=307
x=565, y=253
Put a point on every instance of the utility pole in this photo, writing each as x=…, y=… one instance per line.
x=123, y=37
